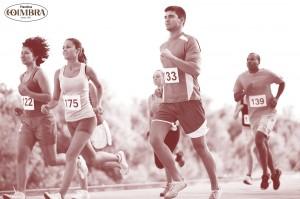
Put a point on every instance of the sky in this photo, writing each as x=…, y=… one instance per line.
x=122, y=38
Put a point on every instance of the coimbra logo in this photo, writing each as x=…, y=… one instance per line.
x=26, y=12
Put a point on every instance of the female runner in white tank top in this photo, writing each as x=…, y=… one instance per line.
x=72, y=83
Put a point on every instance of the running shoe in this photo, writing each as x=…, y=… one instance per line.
x=174, y=189
x=276, y=178
x=123, y=163
x=81, y=194
x=264, y=181
x=248, y=180
x=16, y=195
x=167, y=188
x=215, y=194
x=52, y=195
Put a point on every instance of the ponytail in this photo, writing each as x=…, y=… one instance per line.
x=81, y=56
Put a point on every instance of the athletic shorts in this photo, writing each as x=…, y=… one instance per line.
x=190, y=115
x=265, y=124
x=87, y=125
x=39, y=128
x=171, y=141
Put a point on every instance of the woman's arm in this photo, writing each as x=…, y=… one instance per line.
x=56, y=94
x=93, y=77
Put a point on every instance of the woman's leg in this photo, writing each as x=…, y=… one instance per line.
x=100, y=158
x=25, y=145
x=47, y=135
x=78, y=142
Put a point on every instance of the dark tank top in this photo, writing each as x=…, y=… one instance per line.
x=32, y=107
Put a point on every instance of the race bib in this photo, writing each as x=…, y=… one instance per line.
x=28, y=103
x=257, y=101
x=72, y=102
x=171, y=75
x=246, y=120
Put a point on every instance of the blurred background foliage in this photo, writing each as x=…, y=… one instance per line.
x=129, y=124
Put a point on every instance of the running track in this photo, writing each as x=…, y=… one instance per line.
x=290, y=189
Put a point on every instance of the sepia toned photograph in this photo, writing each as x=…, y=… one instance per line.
x=149, y=99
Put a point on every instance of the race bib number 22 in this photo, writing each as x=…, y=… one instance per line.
x=72, y=102
x=28, y=103
x=171, y=75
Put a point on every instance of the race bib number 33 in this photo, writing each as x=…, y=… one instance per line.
x=28, y=103
x=257, y=101
x=72, y=102
x=171, y=75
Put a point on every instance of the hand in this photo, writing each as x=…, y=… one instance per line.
x=273, y=102
x=45, y=108
x=23, y=89
x=19, y=111
x=98, y=109
x=166, y=53
x=99, y=112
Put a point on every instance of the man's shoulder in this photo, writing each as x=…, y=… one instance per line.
x=189, y=39
x=265, y=71
x=243, y=75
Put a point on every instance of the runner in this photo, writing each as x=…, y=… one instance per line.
x=242, y=107
x=36, y=126
x=173, y=135
x=180, y=57
x=255, y=84
x=72, y=81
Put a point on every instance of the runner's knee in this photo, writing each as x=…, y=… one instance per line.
x=259, y=138
x=200, y=146
x=71, y=156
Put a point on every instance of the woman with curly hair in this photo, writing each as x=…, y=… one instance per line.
x=36, y=126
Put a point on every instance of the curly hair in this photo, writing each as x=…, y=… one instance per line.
x=38, y=47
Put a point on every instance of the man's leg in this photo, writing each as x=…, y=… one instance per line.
x=260, y=141
x=158, y=132
x=202, y=150
x=270, y=158
x=275, y=173
x=249, y=157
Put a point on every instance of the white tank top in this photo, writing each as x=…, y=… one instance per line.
x=75, y=93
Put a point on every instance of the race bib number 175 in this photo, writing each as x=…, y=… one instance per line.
x=171, y=75
x=72, y=102
x=257, y=101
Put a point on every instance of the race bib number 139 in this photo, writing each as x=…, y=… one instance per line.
x=257, y=101
x=171, y=75
x=28, y=103
x=72, y=102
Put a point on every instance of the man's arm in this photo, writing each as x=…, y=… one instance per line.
x=280, y=90
x=191, y=64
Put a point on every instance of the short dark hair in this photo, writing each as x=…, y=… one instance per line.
x=257, y=56
x=39, y=48
x=178, y=10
